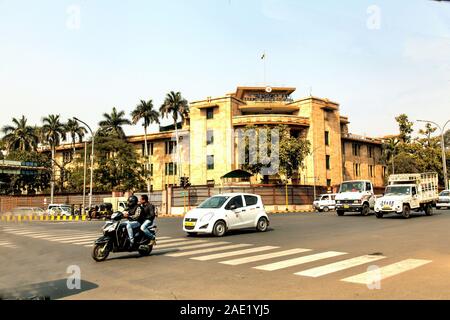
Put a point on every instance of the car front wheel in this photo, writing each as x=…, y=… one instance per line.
x=219, y=229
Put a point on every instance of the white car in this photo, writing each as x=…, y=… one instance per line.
x=444, y=200
x=325, y=202
x=59, y=210
x=223, y=212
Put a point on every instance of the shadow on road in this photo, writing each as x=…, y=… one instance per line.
x=49, y=290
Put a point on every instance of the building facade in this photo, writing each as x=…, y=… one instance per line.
x=209, y=144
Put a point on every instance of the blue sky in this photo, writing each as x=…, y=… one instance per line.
x=124, y=51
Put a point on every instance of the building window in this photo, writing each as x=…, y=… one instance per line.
x=150, y=148
x=328, y=182
x=384, y=171
x=371, y=171
x=171, y=147
x=209, y=137
x=370, y=151
x=356, y=169
x=210, y=113
x=171, y=169
x=356, y=149
x=67, y=156
x=210, y=162
x=151, y=170
x=327, y=160
x=327, y=138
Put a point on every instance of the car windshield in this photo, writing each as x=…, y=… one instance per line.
x=445, y=193
x=213, y=202
x=352, y=187
x=397, y=190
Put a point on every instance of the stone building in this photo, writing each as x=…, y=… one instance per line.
x=209, y=144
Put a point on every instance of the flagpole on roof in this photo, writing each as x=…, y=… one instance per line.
x=263, y=57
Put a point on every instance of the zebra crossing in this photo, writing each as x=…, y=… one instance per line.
x=7, y=244
x=262, y=258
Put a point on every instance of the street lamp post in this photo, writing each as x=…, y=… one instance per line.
x=84, y=177
x=444, y=158
x=92, y=160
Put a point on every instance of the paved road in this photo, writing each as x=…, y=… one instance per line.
x=303, y=256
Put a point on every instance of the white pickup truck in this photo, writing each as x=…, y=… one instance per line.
x=409, y=192
x=355, y=196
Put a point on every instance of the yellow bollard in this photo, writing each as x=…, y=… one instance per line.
x=64, y=218
x=70, y=218
x=41, y=218
x=19, y=219
x=58, y=218
x=83, y=218
x=77, y=218
x=52, y=218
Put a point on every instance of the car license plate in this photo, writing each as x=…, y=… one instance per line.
x=346, y=206
x=387, y=208
x=189, y=224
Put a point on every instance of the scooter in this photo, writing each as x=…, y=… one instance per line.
x=115, y=239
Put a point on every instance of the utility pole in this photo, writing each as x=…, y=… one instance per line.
x=92, y=160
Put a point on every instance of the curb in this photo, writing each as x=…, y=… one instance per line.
x=29, y=218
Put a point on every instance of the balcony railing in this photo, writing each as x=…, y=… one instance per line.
x=261, y=119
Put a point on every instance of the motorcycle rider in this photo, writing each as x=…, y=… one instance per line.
x=133, y=213
x=148, y=217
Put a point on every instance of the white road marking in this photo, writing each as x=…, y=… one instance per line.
x=266, y=256
x=66, y=238
x=178, y=244
x=196, y=246
x=171, y=240
x=386, y=271
x=299, y=260
x=195, y=252
x=79, y=240
x=338, y=266
x=233, y=253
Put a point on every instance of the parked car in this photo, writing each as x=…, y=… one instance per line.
x=59, y=210
x=444, y=200
x=325, y=202
x=26, y=211
x=223, y=212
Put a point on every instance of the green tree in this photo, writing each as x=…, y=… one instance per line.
x=144, y=111
x=20, y=136
x=390, y=150
x=29, y=184
x=118, y=168
x=447, y=139
x=405, y=127
x=292, y=152
x=176, y=105
x=74, y=130
x=113, y=123
x=53, y=131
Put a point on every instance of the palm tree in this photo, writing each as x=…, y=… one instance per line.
x=113, y=123
x=390, y=149
x=144, y=111
x=175, y=104
x=74, y=129
x=53, y=132
x=20, y=136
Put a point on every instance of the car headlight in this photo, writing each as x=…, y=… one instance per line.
x=338, y=201
x=207, y=217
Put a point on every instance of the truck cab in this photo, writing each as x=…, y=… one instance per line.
x=408, y=192
x=355, y=196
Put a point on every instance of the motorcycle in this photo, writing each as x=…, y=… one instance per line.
x=115, y=239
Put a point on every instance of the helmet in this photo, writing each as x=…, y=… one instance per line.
x=132, y=202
